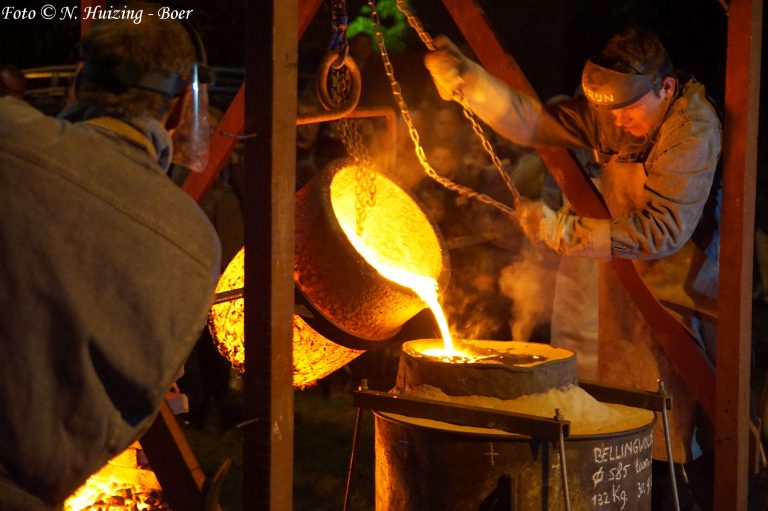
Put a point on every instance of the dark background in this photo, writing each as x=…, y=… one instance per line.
x=550, y=39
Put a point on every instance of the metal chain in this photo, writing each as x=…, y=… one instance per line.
x=458, y=96
x=348, y=130
x=415, y=24
x=339, y=20
x=365, y=174
x=340, y=85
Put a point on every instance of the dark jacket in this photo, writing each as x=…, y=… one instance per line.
x=107, y=272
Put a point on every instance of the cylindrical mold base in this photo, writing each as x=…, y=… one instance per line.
x=431, y=466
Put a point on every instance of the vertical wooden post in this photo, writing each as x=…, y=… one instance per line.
x=270, y=162
x=742, y=87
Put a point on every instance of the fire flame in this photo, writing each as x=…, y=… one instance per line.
x=121, y=484
x=114, y=495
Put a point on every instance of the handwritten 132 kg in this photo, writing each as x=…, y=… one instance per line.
x=615, y=496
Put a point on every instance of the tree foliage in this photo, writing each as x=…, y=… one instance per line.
x=393, y=25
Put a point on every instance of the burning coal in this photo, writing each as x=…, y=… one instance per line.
x=125, y=483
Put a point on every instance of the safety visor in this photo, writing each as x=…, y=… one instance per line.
x=192, y=134
x=609, y=89
x=190, y=115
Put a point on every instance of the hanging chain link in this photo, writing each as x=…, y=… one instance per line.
x=365, y=174
x=340, y=84
x=348, y=129
x=414, y=22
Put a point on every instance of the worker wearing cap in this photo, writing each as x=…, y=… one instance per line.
x=108, y=268
x=657, y=139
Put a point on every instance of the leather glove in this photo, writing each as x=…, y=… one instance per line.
x=531, y=215
x=568, y=233
x=446, y=64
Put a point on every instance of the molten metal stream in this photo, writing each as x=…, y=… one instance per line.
x=392, y=239
x=425, y=287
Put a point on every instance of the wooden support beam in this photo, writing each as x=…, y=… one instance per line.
x=173, y=462
x=742, y=88
x=268, y=211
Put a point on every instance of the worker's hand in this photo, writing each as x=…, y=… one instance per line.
x=445, y=64
x=531, y=214
x=569, y=234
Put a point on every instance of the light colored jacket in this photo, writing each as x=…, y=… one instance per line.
x=680, y=158
x=663, y=192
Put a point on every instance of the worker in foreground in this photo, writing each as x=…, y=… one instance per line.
x=107, y=268
x=657, y=140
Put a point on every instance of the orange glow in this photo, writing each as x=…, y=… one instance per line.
x=314, y=356
x=120, y=485
x=393, y=243
x=425, y=287
x=398, y=240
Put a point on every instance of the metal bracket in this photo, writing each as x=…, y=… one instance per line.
x=653, y=401
x=475, y=416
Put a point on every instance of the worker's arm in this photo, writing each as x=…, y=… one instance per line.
x=680, y=168
x=512, y=114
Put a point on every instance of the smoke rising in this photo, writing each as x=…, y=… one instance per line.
x=529, y=281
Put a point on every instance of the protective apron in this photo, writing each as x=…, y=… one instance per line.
x=629, y=354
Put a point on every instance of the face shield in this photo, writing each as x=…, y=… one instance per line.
x=608, y=89
x=191, y=137
x=188, y=122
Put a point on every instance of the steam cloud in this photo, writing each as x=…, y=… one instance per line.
x=529, y=281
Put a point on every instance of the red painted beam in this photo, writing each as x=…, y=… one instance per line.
x=742, y=90
x=223, y=142
x=85, y=22
x=569, y=175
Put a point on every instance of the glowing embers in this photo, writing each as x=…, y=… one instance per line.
x=314, y=356
x=124, y=483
